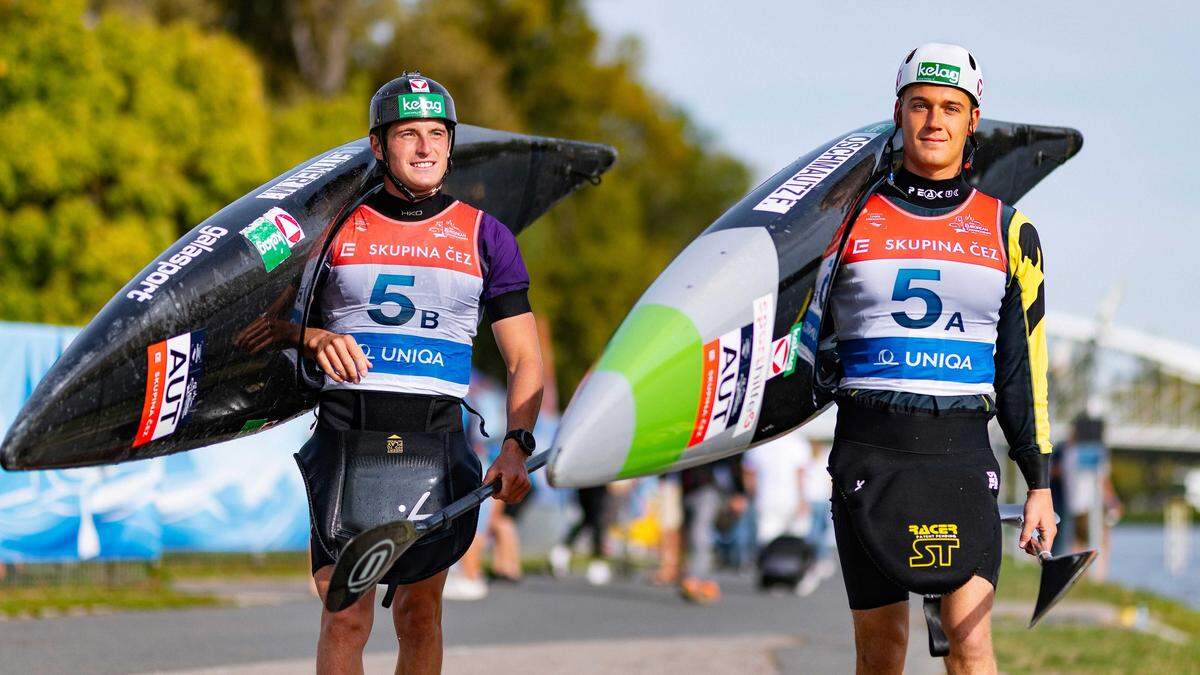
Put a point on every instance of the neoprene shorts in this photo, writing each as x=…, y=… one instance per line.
x=866, y=586
x=386, y=411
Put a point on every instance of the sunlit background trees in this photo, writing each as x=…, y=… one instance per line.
x=125, y=123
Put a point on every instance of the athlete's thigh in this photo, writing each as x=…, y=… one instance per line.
x=881, y=638
x=967, y=612
x=884, y=622
x=866, y=587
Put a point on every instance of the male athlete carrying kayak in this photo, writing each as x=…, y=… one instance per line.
x=404, y=284
x=937, y=308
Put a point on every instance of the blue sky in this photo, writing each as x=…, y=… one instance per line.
x=772, y=80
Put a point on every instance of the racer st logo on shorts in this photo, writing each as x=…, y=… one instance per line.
x=933, y=545
x=371, y=567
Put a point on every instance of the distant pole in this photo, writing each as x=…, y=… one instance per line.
x=1176, y=515
x=1097, y=525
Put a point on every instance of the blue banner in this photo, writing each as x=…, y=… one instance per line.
x=244, y=495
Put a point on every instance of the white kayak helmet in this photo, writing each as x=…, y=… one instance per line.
x=944, y=64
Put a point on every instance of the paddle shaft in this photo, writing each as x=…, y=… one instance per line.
x=474, y=498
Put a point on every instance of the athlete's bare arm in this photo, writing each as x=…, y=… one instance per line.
x=517, y=338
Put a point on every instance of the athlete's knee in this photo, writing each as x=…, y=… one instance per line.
x=419, y=612
x=883, y=656
x=350, y=626
x=971, y=639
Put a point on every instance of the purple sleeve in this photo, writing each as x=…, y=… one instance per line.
x=503, y=268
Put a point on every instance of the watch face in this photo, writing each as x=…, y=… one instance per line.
x=524, y=439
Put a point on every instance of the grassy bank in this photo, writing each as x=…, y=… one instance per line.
x=231, y=565
x=1053, y=647
x=54, y=589
x=47, y=601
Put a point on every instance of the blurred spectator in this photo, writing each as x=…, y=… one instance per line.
x=593, y=504
x=466, y=580
x=791, y=491
x=703, y=488
x=776, y=476
x=1090, y=495
x=670, y=523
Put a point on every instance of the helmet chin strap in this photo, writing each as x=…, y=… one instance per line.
x=888, y=149
x=404, y=189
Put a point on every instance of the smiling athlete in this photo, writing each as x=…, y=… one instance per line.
x=938, y=307
x=408, y=277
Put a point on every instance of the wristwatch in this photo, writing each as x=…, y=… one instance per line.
x=524, y=439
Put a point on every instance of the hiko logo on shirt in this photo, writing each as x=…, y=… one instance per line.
x=944, y=73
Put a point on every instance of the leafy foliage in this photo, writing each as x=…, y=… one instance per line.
x=116, y=137
x=126, y=122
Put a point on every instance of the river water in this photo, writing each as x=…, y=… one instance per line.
x=1139, y=561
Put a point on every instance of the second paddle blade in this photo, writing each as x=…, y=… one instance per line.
x=1058, y=576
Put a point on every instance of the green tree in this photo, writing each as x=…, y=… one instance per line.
x=594, y=254
x=116, y=136
x=126, y=122
x=532, y=66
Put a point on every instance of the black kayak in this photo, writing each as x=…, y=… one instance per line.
x=200, y=347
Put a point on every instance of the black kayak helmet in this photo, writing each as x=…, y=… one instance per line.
x=411, y=96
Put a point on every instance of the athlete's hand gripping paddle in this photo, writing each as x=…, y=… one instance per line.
x=1059, y=574
x=368, y=557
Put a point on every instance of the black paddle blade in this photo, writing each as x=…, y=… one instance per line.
x=366, y=559
x=1058, y=576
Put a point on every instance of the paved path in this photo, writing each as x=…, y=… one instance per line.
x=541, y=624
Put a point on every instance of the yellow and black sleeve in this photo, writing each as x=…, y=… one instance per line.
x=1021, y=356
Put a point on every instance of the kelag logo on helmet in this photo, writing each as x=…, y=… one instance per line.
x=937, y=72
x=420, y=105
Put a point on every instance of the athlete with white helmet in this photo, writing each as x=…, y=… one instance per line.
x=938, y=305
